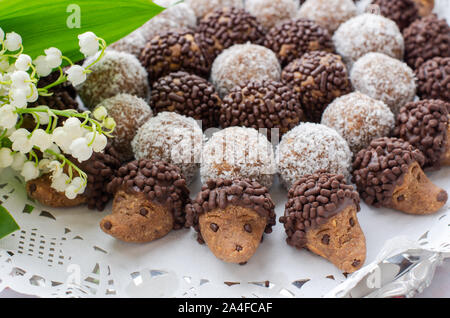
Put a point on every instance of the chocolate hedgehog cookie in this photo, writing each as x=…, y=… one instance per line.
x=149, y=201
x=425, y=125
x=100, y=169
x=433, y=79
x=231, y=217
x=320, y=215
x=389, y=173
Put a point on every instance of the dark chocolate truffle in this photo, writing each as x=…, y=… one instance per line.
x=100, y=170
x=433, y=79
x=426, y=38
x=161, y=183
x=402, y=12
x=266, y=104
x=291, y=39
x=173, y=51
x=63, y=95
x=186, y=94
x=225, y=27
x=319, y=77
x=220, y=193
x=424, y=124
x=320, y=211
x=388, y=173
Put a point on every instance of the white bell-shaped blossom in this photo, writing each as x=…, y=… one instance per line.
x=23, y=62
x=76, y=74
x=41, y=139
x=6, y=157
x=42, y=67
x=20, y=141
x=60, y=182
x=99, y=143
x=88, y=42
x=13, y=41
x=8, y=118
x=80, y=149
x=54, y=57
x=19, y=160
x=30, y=171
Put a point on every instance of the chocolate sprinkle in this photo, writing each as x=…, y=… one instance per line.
x=173, y=51
x=225, y=27
x=426, y=38
x=433, y=79
x=402, y=12
x=266, y=104
x=312, y=200
x=291, y=39
x=378, y=168
x=424, y=125
x=186, y=94
x=161, y=182
x=220, y=193
x=100, y=170
x=319, y=77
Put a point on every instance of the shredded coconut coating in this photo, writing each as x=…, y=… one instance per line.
x=328, y=13
x=173, y=138
x=359, y=119
x=157, y=26
x=237, y=153
x=181, y=13
x=368, y=33
x=133, y=43
x=384, y=78
x=308, y=148
x=115, y=73
x=242, y=63
x=203, y=7
x=130, y=113
x=270, y=13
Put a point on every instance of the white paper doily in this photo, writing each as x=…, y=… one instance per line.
x=63, y=253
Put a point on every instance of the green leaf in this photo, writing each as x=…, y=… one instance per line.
x=7, y=223
x=53, y=23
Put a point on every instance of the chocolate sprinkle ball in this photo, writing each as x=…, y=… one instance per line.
x=402, y=12
x=291, y=39
x=424, y=125
x=312, y=200
x=186, y=94
x=433, y=79
x=266, y=104
x=173, y=51
x=319, y=77
x=225, y=27
x=100, y=169
x=378, y=168
x=63, y=95
x=220, y=193
x=426, y=38
x=161, y=182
